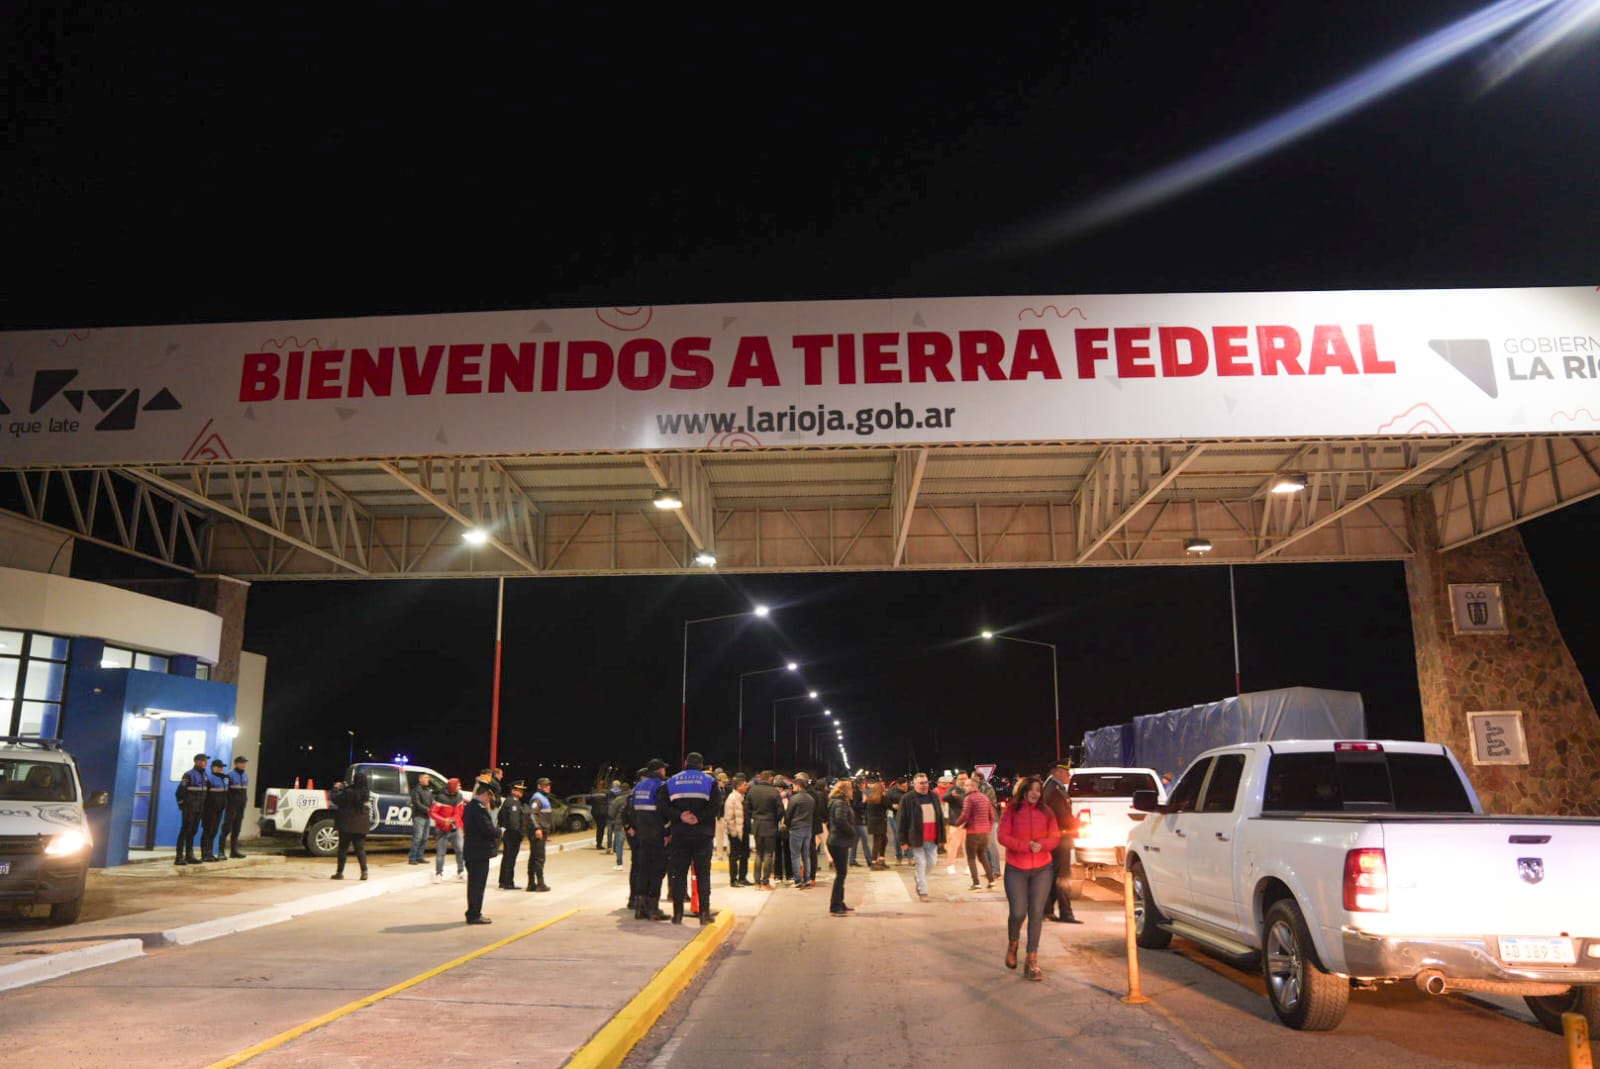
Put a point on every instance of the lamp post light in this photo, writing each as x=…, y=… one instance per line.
x=683, y=731
x=811, y=694
x=350, y=758
x=795, y=753
x=791, y=666
x=1055, y=675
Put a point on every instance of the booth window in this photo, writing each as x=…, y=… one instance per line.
x=119, y=657
x=33, y=678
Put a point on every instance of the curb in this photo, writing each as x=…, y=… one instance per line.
x=612, y=1043
x=51, y=966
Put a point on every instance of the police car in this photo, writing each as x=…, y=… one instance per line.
x=44, y=835
x=308, y=814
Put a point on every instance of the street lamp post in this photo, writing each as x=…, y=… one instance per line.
x=683, y=731
x=795, y=753
x=791, y=698
x=350, y=758
x=1055, y=676
x=789, y=667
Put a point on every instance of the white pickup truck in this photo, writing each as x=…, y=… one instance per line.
x=1353, y=864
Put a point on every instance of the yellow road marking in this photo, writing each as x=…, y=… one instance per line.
x=1197, y=1037
x=299, y=1030
x=613, y=1042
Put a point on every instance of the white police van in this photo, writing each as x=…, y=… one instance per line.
x=308, y=814
x=44, y=835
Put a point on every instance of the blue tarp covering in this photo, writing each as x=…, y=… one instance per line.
x=1168, y=741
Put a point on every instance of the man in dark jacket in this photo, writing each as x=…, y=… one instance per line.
x=649, y=841
x=765, y=806
x=688, y=803
x=799, y=821
x=421, y=803
x=513, y=821
x=1059, y=803
x=191, y=795
x=921, y=820
x=541, y=822
x=480, y=837
x=216, y=806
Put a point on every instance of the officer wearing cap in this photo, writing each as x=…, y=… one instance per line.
x=542, y=821
x=238, y=799
x=1058, y=802
x=191, y=795
x=649, y=841
x=628, y=828
x=513, y=821
x=215, y=805
x=688, y=803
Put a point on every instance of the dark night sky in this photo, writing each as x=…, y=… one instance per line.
x=225, y=164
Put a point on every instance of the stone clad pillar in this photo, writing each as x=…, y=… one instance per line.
x=1527, y=668
x=226, y=597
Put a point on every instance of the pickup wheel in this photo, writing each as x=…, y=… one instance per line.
x=322, y=838
x=1147, y=918
x=1581, y=999
x=1303, y=994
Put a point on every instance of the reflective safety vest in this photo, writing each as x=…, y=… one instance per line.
x=644, y=794
x=691, y=783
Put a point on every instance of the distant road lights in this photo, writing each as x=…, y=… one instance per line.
x=475, y=536
x=667, y=499
x=1289, y=483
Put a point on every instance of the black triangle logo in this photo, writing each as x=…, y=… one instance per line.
x=163, y=401
x=104, y=399
x=124, y=416
x=74, y=398
x=46, y=384
x=1473, y=358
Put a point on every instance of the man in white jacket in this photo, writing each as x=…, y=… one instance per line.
x=733, y=825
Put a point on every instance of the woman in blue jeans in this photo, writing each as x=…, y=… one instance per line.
x=1029, y=833
x=841, y=837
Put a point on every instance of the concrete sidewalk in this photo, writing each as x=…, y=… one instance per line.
x=279, y=888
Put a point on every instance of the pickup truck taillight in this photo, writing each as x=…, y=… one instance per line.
x=1083, y=821
x=1366, y=881
x=272, y=803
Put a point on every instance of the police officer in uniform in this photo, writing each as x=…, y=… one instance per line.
x=191, y=795
x=649, y=841
x=216, y=804
x=513, y=821
x=1059, y=803
x=542, y=819
x=688, y=804
x=238, y=799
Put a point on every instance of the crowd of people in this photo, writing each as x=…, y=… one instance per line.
x=772, y=830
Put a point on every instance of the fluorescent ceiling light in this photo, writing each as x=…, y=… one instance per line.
x=1289, y=483
x=706, y=559
x=1197, y=545
x=475, y=536
x=667, y=499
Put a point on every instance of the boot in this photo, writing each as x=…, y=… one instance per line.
x=677, y=911
x=653, y=911
x=363, y=872
x=541, y=887
x=706, y=916
x=336, y=876
x=1011, y=954
x=179, y=860
x=190, y=859
x=1030, y=969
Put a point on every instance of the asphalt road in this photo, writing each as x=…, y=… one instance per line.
x=899, y=983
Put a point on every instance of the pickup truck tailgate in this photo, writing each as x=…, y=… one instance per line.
x=1489, y=875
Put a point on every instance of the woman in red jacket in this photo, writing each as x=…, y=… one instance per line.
x=1030, y=834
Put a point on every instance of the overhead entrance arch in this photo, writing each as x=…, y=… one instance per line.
x=833, y=436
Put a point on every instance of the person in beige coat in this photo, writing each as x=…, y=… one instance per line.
x=735, y=826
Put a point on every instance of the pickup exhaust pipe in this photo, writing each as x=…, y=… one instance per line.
x=1434, y=982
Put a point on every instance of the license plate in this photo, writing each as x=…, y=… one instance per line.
x=1551, y=950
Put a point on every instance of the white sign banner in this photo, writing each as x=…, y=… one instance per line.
x=885, y=372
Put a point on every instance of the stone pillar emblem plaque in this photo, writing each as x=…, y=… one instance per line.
x=1497, y=738
x=1476, y=608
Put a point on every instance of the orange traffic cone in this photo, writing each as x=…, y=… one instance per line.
x=694, y=891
